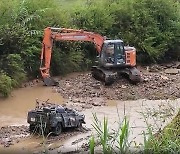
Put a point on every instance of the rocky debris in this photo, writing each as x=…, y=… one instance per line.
x=158, y=68
x=81, y=104
x=11, y=134
x=164, y=77
x=64, y=135
x=176, y=65
x=77, y=141
x=31, y=83
x=155, y=68
x=84, y=88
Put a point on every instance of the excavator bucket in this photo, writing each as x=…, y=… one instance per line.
x=48, y=81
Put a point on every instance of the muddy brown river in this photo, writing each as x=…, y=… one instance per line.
x=13, y=111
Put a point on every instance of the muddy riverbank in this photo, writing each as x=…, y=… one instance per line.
x=157, y=113
x=157, y=97
x=17, y=139
x=155, y=85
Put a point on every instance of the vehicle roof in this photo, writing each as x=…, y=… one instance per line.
x=113, y=41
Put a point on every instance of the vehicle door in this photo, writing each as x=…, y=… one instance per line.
x=72, y=117
x=66, y=118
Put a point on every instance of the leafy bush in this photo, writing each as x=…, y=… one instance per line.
x=151, y=26
x=5, y=84
x=71, y=57
x=93, y=18
x=13, y=66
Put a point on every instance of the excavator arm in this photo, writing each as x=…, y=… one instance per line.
x=63, y=34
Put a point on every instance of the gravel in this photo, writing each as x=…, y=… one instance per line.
x=84, y=89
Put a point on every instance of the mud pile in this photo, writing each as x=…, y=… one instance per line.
x=11, y=134
x=156, y=85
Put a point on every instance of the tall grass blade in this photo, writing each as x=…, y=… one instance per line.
x=92, y=145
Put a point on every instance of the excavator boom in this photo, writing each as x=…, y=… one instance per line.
x=59, y=34
x=114, y=57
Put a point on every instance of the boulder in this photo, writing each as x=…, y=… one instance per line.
x=172, y=71
x=164, y=77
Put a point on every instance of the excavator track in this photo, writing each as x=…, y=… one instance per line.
x=109, y=77
x=133, y=74
x=104, y=75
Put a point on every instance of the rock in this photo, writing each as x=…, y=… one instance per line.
x=169, y=65
x=154, y=68
x=96, y=86
x=9, y=140
x=6, y=145
x=172, y=71
x=164, y=77
x=55, y=90
x=147, y=68
x=123, y=86
x=176, y=65
x=68, y=86
x=96, y=104
x=145, y=79
x=84, y=87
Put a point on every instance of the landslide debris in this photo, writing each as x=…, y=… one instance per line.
x=83, y=88
x=10, y=135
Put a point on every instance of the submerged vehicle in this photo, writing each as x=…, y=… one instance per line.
x=52, y=118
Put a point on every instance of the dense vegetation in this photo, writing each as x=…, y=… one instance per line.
x=153, y=27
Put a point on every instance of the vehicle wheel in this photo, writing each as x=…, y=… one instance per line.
x=32, y=128
x=79, y=124
x=58, y=129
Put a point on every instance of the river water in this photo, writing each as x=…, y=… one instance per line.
x=13, y=111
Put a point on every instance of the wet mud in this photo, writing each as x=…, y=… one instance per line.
x=18, y=139
x=155, y=85
x=156, y=96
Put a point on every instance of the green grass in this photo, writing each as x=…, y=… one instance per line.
x=109, y=140
x=165, y=141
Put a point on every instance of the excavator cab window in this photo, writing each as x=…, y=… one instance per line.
x=114, y=53
x=120, y=54
x=110, y=53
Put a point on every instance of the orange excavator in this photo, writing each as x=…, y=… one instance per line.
x=114, y=58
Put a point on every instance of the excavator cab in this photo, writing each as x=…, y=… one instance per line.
x=113, y=53
x=116, y=59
